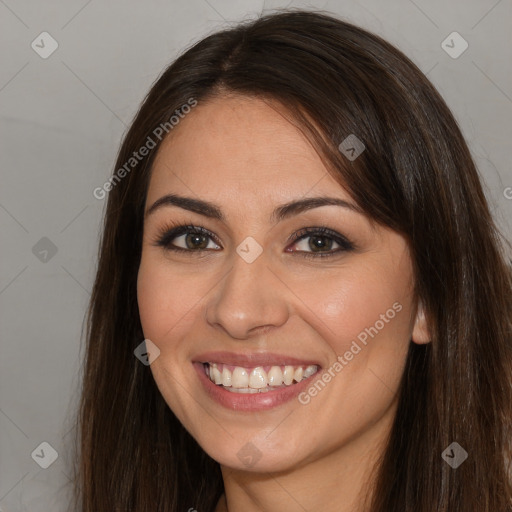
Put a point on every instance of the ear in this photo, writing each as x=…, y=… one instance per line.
x=421, y=332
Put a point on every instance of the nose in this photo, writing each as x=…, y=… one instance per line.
x=250, y=300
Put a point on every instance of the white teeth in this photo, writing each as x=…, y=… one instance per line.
x=257, y=380
x=215, y=373
x=310, y=370
x=242, y=390
x=239, y=378
x=275, y=376
x=288, y=373
x=226, y=377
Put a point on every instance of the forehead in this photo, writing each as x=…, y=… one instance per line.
x=233, y=146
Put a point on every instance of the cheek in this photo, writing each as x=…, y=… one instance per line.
x=359, y=305
x=364, y=316
x=165, y=299
x=153, y=301
x=167, y=313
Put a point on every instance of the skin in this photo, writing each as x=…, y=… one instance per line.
x=244, y=155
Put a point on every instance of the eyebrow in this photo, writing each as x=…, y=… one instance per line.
x=282, y=212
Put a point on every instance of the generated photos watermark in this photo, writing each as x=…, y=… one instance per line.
x=137, y=156
x=343, y=360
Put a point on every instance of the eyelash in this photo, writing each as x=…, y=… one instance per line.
x=172, y=231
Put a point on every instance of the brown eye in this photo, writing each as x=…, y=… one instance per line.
x=187, y=238
x=316, y=242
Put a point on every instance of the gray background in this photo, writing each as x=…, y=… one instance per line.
x=62, y=120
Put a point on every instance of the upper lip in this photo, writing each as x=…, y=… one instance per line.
x=249, y=360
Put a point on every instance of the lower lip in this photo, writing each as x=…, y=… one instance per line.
x=250, y=401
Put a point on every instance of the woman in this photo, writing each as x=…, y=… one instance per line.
x=302, y=301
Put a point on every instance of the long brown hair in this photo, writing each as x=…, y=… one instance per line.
x=416, y=176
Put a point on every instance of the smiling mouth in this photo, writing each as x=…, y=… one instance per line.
x=259, y=379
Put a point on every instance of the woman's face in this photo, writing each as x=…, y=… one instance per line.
x=261, y=311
